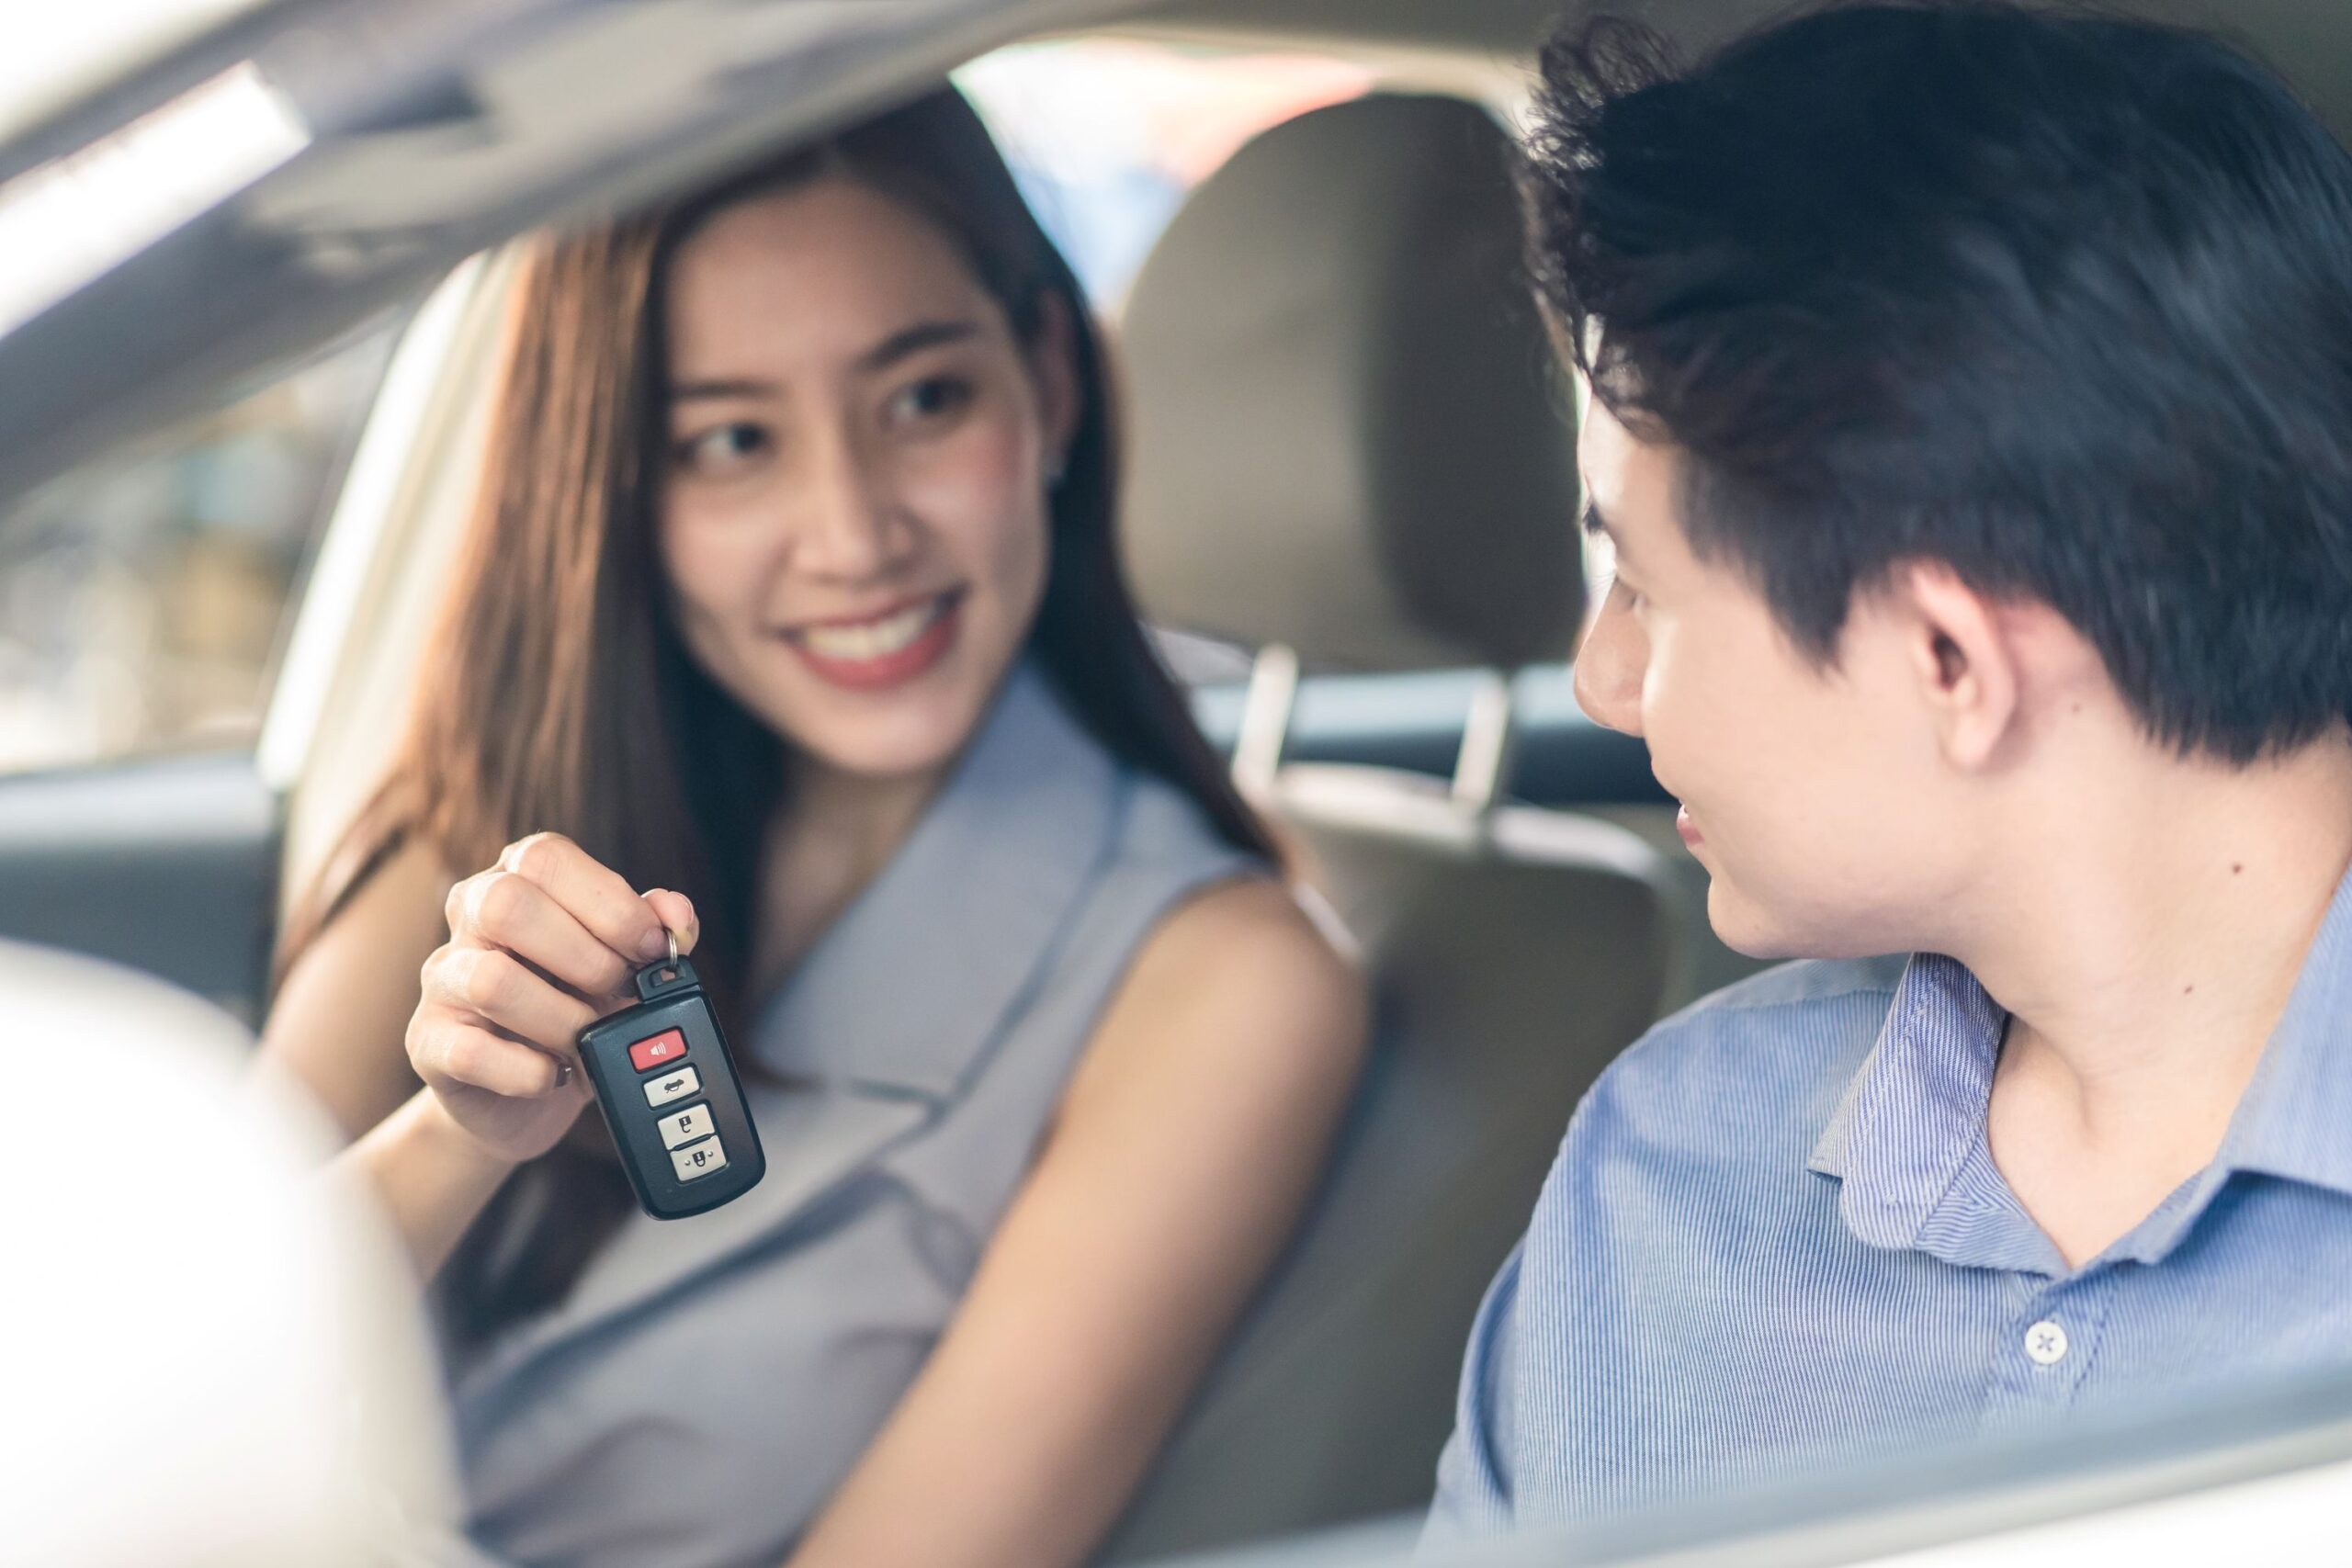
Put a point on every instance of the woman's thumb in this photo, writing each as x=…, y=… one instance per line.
x=676, y=913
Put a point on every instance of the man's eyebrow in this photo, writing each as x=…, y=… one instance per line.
x=914, y=339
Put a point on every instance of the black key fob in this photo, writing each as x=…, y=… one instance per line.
x=669, y=1093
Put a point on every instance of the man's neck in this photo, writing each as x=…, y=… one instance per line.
x=2145, y=948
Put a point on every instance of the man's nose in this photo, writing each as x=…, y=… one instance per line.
x=1608, y=670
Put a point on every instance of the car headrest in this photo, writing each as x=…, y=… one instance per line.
x=1348, y=437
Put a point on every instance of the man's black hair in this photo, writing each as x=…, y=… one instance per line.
x=2063, y=301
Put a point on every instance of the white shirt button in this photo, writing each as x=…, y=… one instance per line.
x=2045, y=1343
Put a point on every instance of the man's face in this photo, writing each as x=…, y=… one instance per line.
x=1817, y=799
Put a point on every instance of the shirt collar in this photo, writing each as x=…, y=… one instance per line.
x=1907, y=1139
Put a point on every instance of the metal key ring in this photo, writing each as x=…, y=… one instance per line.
x=673, y=945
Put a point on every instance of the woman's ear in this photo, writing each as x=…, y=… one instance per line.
x=1053, y=363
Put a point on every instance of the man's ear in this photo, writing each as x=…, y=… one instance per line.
x=1053, y=362
x=1963, y=659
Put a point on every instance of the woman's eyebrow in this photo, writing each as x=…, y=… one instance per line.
x=914, y=339
x=721, y=387
x=881, y=356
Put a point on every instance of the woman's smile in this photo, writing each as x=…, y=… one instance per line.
x=885, y=649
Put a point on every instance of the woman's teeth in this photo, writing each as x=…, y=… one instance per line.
x=874, y=639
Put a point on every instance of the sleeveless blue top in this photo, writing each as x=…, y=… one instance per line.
x=711, y=1381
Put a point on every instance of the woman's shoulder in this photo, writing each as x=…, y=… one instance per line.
x=1232, y=933
x=1195, y=934
x=1242, y=979
x=389, y=896
x=341, y=1009
x=394, y=903
x=1260, y=934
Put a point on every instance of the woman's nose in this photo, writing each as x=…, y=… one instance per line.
x=852, y=527
x=1610, y=668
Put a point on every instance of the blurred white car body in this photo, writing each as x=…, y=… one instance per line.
x=216, y=1351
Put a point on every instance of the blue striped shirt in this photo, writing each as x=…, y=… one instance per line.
x=1775, y=1234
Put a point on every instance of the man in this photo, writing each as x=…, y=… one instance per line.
x=1971, y=419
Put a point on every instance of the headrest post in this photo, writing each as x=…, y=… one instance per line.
x=1489, y=738
x=1265, y=721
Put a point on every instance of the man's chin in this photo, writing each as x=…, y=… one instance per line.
x=1750, y=930
x=1753, y=929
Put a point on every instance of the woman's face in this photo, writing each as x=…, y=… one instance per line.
x=853, y=516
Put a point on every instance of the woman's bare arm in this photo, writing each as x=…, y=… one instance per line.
x=1184, y=1146
x=339, y=1020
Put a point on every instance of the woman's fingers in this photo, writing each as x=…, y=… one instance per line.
x=498, y=911
x=547, y=927
x=505, y=910
x=592, y=894
x=497, y=987
x=445, y=1050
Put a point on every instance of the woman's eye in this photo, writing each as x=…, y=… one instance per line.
x=931, y=398
x=724, y=448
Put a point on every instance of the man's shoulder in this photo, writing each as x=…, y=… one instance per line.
x=1754, y=1066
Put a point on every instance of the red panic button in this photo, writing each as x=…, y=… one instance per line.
x=660, y=1051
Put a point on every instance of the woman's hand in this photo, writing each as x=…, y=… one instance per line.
x=541, y=945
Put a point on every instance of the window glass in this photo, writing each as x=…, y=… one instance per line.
x=142, y=596
x=1106, y=136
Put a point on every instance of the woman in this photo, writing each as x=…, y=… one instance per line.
x=792, y=625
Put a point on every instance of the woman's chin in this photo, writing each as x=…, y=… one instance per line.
x=901, y=738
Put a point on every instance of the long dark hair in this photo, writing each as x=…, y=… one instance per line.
x=555, y=662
